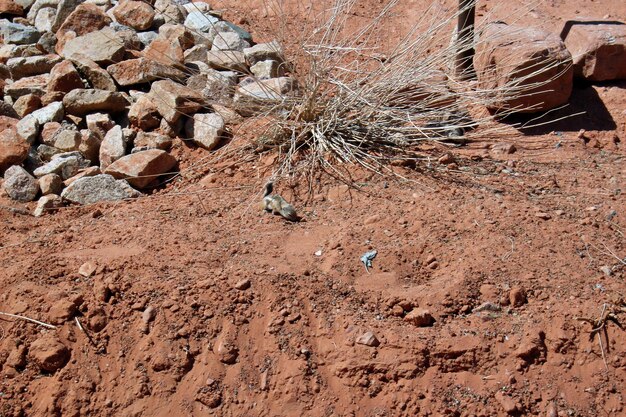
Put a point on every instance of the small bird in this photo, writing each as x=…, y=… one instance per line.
x=275, y=204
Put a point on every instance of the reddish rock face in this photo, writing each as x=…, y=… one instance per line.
x=64, y=78
x=86, y=18
x=49, y=353
x=141, y=168
x=529, y=69
x=13, y=149
x=10, y=7
x=136, y=14
x=598, y=51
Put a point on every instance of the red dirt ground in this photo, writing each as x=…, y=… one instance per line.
x=543, y=220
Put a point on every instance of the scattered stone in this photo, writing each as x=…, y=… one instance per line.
x=503, y=148
x=83, y=173
x=49, y=353
x=67, y=140
x=26, y=104
x=227, y=60
x=53, y=112
x=172, y=100
x=200, y=21
x=368, y=339
x=607, y=270
x=243, y=284
x=144, y=114
x=113, y=147
x=170, y=45
x=136, y=14
x=18, y=34
x=90, y=190
x=51, y=184
x=151, y=140
x=46, y=152
x=507, y=403
x=488, y=306
x=267, y=69
x=148, y=314
x=62, y=311
x=420, y=317
x=87, y=269
x=229, y=41
x=507, y=53
x=104, y=47
x=205, y=129
x=446, y=159
x=263, y=52
x=32, y=65
x=89, y=146
x=97, y=77
x=7, y=110
x=169, y=12
x=82, y=101
x=517, y=296
x=598, y=50
x=47, y=203
x=84, y=19
x=13, y=149
x=10, y=7
x=252, y=94
x=542, y=215
x=142, y=70
x=63, y=164
x=37, y=84
x=19, y=184
x=227, y=352
x=142, y=168
x=99, y=124
x=65, y=78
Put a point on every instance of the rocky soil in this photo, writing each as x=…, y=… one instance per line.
x=181, y=297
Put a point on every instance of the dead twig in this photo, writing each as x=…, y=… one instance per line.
x=609, y=313
x=16, y=316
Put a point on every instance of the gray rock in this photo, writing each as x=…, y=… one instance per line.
x=28, y=128
x=197, y=53
x=229, y=41
x=45, y=19
x=103, y=187
x=47, y=42
x=206, y=130
x=113, y=147
x=53, y=112
x=19, y=184
x=227, y=60
x=104, y=47
x=46, y=152
x=267, y=69
x=146, y=37
x=7, y=110
x=197, y=20
x=67, y=140
x=47, y=203
x=152, y=140
x=18, y=34
x=82, y=101
x=64, y=164
x=32, y=65
x=251, y=95
x=170, y=12
x=263, y=52
x=38, y=5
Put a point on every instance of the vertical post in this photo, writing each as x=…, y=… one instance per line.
x=465, y=39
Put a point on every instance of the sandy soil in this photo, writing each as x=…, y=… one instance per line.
x=252, y=315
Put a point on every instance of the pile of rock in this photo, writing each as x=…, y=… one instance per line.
x=95, y=91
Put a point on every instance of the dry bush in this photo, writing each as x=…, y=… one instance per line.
x=362, y=100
